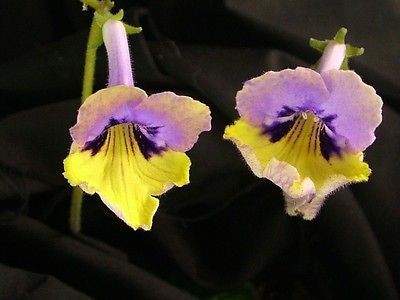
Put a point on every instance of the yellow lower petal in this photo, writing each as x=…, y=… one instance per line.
x=299, y=148
x=124, y=178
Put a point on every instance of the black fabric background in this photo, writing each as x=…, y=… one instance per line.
x=226, y=234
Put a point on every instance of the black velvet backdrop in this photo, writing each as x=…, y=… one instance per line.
x=226, y=234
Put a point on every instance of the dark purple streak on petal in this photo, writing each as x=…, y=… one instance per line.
x=278, y=130
x=328, y=145
x=146, y=145
x=98, y=142
x=328, y=122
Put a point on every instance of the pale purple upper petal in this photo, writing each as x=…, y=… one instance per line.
x=267, y=95
x=177, y=120
x=166, y=119
x=114, y=103
x=357, y=107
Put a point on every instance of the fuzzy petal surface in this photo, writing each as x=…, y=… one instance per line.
x=178, y=119
x=295, y=163
x=265, y=96
x=357, y=107
x=95, y=114
x=125, y=180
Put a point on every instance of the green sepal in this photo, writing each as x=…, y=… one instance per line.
x=345, y=64
x=101, y=19
x=118, y=16
x=318, y=45
x=353, y=51
x=132, y=29
x=340, y=36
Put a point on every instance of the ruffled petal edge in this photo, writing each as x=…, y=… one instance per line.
x=98, y=110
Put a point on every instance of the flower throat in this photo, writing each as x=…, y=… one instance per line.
x=303, y=134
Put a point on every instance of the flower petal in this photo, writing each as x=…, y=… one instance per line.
x=179, y=119
x=124, y=178
x=250, y=142
x=309, y=208
x=295, y=163
x=357, y=107
x=94, y=115
x=288, y=178
x=265, y=96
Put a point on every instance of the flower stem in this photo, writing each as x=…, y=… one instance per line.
x=95, y=36
x=90, y=60
x=76, y=210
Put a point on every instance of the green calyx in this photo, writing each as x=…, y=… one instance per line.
x=339, y=38
x=103, y=13
x=100, y=19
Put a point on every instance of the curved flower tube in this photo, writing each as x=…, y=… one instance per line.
x=129, y=147
x=306, y=130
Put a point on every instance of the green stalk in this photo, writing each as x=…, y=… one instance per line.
x=75, y=218
x=95, y=36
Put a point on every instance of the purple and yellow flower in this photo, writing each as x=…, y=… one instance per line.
x=306, y=130
x=129, y=147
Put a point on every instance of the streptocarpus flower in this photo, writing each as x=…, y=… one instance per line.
x=306, y=130
x=129, y=147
